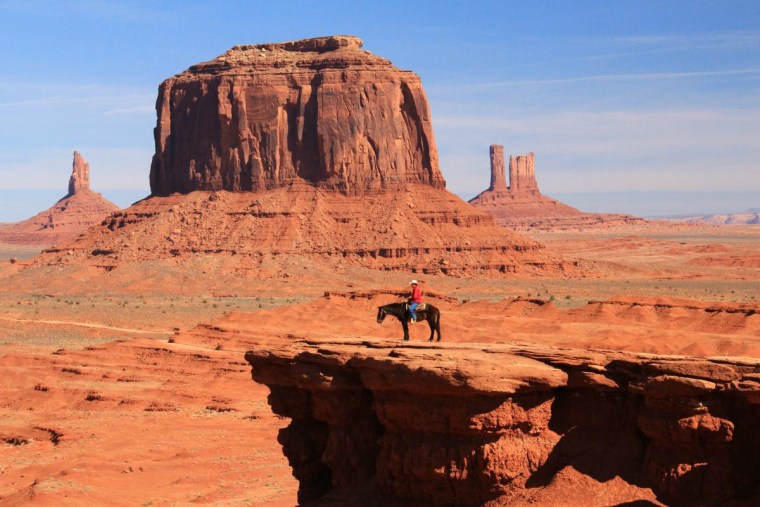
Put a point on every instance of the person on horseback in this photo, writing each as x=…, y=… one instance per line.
x=414, y=300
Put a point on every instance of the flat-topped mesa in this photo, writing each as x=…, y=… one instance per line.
x=321, y=110
x=80, y=175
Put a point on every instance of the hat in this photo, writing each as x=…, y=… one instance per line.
x=413, y=282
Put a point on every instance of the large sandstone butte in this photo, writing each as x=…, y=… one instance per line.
x=276, y=156
x=472, y=424
x=521, y=205
x=320, y=110
x=74, y=213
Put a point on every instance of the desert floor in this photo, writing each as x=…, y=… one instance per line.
x=115, y=396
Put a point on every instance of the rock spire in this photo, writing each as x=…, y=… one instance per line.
x=80, y=175
x=522, y=206
x=498, y=179
x=73, y=214
x=522, y=175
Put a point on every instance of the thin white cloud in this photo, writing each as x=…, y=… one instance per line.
x=695, y=41
x=130, y=110
x=601, y=78
x=46, y=101
x=122, y=10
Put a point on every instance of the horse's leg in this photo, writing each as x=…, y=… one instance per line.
x=406, y=329
x=431, y=323
x=438, y=325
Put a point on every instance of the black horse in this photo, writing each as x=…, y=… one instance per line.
x=399, y=310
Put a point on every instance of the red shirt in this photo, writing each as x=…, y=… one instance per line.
x=416, y=295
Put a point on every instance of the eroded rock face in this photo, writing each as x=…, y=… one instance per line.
x=475, y=424
x=522, y=174
x=80, y=175
x=320, y=110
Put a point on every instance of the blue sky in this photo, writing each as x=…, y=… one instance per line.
x=647, y=107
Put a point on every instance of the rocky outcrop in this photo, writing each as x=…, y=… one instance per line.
x=498, y=178
x=77, y=211
x=320, y=110
x=418, y=230
x=522, y=206
x=80, y=176
x=522, y=175
x=473, y=424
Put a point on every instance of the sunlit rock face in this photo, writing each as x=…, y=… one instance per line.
x=470, y=424
x=321, y=110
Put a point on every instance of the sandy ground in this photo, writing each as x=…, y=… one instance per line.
x=98, y=407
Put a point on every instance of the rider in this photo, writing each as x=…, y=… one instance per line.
x=414, y=300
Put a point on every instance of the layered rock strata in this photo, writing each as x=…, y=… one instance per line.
x=320, y=110
x=473, y=424
x=66, y=219
x=420, y=230
x=521, y=205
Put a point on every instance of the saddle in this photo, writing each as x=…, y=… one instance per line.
x=421, y=308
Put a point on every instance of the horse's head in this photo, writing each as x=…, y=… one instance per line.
x=380, y=314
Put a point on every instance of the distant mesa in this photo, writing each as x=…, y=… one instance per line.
x=321, y=111
x=314, y=152
x=521, y=205
x=751, y=217
x=77, y=211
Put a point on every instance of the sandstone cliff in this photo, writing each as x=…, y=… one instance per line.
x=493, y=424
x=521, y=205
x=66, y=219
x=319, y=110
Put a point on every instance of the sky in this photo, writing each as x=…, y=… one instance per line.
x=649, y=107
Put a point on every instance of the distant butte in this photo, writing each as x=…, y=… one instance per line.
x=77, y=211
x=521, y=205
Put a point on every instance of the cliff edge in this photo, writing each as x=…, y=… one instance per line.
x=475, y=424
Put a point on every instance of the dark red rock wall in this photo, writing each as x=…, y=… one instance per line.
x=320, y=110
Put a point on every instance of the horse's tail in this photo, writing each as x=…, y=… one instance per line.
x=437, y=318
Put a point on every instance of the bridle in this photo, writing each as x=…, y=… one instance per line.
x=381, y=316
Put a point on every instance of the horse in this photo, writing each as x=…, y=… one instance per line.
x=400, y=310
